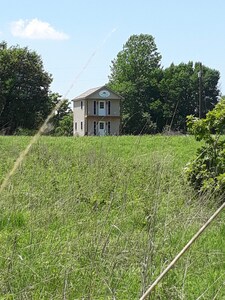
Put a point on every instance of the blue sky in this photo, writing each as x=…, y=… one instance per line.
x=78, y=39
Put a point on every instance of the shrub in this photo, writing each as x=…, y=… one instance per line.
x=65, y=126
x=207, y=171
x=25, y=131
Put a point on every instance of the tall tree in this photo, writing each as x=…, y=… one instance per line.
x=24, y=88
x=182, y=88
x=135, y=74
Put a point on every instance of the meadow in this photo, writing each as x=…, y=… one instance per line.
x=101, y=217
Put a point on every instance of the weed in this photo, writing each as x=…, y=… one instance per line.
x=99, y=218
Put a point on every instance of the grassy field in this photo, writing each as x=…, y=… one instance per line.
x=100, y=218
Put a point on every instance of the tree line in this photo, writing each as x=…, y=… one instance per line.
x=155, y=99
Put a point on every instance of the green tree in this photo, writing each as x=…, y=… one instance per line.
x=24, y=89
x=65, y=126
x=179, y=91
x=135, y=74
x=207, y=171
x=60, y=119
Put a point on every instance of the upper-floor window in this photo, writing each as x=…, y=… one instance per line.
x=81, y=104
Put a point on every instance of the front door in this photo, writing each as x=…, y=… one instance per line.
x=101, y=129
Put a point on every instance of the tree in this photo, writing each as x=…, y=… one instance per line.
x=180, y=88
x=154, y=98
x=135, y=74
x=63, y=115
x=65, y=126
x=24, y=88
x=206, y=172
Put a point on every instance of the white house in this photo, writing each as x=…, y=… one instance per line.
x=97, y=112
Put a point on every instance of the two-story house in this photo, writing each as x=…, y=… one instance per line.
x=97, y=112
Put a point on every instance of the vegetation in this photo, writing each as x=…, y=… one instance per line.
x=62, y=122
x=179, y=90
x=65, y=126
x=135, y=74
x=24, y=89
x=99, y=218
x=25, y=97
x=207, y=171
x=157, y=98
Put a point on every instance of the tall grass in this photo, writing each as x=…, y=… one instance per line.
x=99, y=218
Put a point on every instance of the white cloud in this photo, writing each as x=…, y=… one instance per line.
x=36, y=29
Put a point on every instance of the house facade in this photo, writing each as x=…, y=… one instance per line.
x=97, y=112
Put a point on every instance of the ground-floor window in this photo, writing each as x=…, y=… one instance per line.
x=81, y=125
x=76, y=126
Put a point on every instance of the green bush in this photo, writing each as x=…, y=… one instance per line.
x=207, y=171
x=25, y=132
x=65, y=126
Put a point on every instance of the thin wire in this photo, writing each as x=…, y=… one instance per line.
x=34, y=139
x=187, y=246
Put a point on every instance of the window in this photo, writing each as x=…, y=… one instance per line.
x=102, y=105
x=109, y=107
x=95, y=128
x=94, y=107
x=109, y=127
x=81, y=104
x=76, y=126
x=101, y=125
x=81, y=125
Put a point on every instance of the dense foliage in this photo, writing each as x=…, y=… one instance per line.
x=179, y=93
x=207, y=171
x=65, y=126
x=25, y=96
x=157, y=98
x=24, y=88
x=135, y=74
x=62, y=122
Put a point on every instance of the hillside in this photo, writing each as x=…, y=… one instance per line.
x=99, y=218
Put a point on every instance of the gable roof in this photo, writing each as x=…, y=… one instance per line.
x=89, y=92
